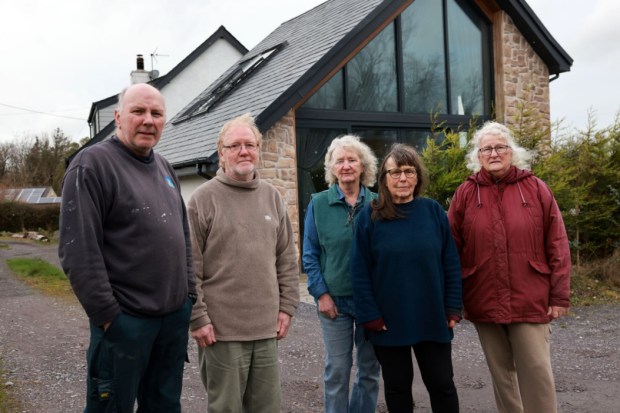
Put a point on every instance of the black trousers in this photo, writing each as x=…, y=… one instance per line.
x=435, y=364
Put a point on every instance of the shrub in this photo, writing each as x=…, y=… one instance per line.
x=19, y=217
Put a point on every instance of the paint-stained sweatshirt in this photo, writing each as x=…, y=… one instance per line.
x=245, y=258
x=124, y=238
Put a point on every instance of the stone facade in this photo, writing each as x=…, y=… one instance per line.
x=525, y=86
x=279, y=164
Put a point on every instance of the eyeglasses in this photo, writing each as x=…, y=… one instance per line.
x=488, y=150
x=396, y=173
x=236, y=147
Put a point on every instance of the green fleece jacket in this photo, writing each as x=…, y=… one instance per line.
x=244, y=257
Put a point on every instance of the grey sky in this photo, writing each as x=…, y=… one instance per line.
x=58, y=57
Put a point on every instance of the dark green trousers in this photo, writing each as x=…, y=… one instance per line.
x=138, y=359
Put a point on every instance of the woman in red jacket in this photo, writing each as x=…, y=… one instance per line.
x=515, y=264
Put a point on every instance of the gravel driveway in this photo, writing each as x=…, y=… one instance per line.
x=43, y=342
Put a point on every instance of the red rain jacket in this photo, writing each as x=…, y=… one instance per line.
x=514, y=250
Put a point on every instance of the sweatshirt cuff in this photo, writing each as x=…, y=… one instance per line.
x=454, y=314
x=374, y=325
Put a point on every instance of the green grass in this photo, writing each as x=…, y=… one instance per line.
x=41, y=275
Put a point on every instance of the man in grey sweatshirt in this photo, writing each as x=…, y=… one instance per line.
x=125, y=247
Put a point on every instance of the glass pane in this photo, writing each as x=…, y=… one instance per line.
x=423, y=58
x=466, y=75
x=312, y=143
x=379, y=140
x=415, y=138
x=329, y=96
x=372, y=75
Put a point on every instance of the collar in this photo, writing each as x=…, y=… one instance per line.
x=360, y=197
x=221, y=176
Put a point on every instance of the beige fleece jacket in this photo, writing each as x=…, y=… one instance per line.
x=244, y=257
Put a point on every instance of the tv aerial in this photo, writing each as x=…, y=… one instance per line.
x=154, y=56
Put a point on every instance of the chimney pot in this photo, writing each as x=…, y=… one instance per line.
x=140, y=62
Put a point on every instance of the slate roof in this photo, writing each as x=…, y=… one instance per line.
x=309, y=40
x=314, y=43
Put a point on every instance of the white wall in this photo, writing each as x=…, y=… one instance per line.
x=189, y=184
x=198, y=76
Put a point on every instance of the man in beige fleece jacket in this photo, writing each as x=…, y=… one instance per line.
x=247, y=277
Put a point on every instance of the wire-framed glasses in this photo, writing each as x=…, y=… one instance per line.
x=488, y=150
x=236, y=147
x=396, y=173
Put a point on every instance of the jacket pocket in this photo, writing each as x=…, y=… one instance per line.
x=466, y=272
x=540, y=267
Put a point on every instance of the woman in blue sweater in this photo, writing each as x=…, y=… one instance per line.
x=406, y=282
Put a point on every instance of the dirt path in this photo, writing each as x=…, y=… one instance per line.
x=43, y=343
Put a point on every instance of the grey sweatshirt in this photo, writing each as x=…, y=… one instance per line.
x=124, y=238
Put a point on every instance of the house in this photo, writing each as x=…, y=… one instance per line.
x=199, y=69
x=375, y=68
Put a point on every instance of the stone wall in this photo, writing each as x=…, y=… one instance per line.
x=525, y=86
x=279, y=164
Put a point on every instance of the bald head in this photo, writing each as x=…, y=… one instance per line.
x=140, y=118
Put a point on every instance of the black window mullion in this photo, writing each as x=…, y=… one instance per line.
x=447, y=56
x=400, y=70
x=345, y=86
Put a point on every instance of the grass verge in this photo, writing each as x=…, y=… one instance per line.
x=42, y=276
x=587, y=291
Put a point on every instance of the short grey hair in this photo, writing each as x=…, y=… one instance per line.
x=367, y=157
x=520, y=156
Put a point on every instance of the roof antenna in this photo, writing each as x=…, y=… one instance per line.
x=154, y=74
x=154, y=57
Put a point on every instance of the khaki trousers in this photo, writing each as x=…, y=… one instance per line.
x=241, y=376
x=519, y=358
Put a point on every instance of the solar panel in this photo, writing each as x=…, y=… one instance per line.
x=31, y=195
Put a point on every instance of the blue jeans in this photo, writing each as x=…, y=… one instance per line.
x=339, y=335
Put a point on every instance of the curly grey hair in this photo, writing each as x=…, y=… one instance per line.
x=520, y=156
x=367, y=157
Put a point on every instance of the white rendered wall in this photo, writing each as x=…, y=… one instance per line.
x=198, y=76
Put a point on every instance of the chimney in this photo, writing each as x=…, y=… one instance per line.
x=140, y=62
x=139, y=75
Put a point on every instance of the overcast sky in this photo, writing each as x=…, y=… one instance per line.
x=57, y=57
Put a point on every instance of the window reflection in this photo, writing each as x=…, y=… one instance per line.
x=423, y=58
x=466, y=74
x=415, y=138
x=379, y=140
x=329, y=96
x=371, y=75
